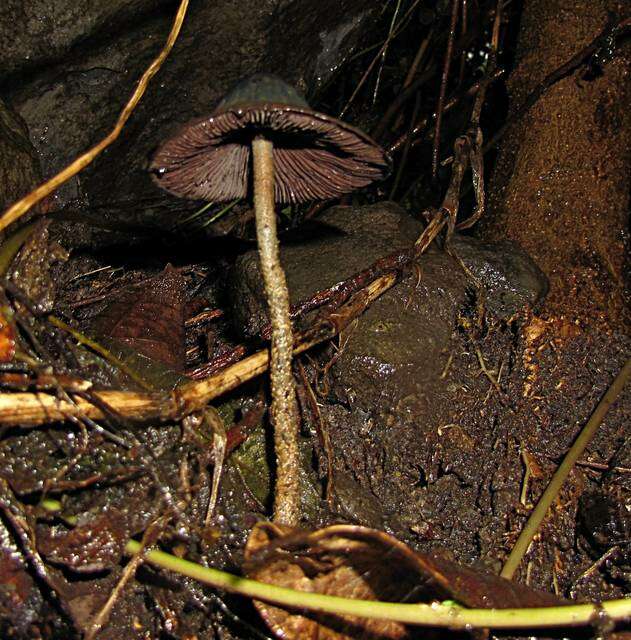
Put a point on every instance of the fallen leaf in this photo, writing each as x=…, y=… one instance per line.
x=94, y=546
x=149, y=319
x=357, y=562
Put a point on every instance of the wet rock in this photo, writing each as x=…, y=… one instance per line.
x=345, y=240
x=35, y=33
x=71, y=106
x=323, y=49
x=338, y=244
x=510, y=277
x=19, y=167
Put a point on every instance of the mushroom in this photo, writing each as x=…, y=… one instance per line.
x=297, y=155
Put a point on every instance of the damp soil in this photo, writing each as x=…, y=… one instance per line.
x=442, y=412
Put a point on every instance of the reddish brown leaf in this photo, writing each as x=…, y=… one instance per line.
x=93, y=546
x=149, y=319
x=361, y=563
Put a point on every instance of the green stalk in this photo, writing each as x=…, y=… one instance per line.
x=435, y=615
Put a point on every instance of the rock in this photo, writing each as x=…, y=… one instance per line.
x=345, y=240
x=38, y=32
x=19, y=166
x=323, y=50
x=510, y=277
x=321, y=253
x=70, y=107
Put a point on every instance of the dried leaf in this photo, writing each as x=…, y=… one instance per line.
x=94, y=546
x=150, y=319
x=357, y=562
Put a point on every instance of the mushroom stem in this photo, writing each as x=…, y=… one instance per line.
x=284, y=404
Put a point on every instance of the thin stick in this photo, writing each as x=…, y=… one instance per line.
x=101, y=618
x=417, y=59
x=374, y=61
x=423, y=122
x=385, y=51
x=560, y=475
x=443, y=86
x=18, y=209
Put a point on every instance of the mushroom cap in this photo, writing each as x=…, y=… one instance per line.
x=315, y=156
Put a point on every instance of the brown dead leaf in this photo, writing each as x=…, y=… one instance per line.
x=149, y=319
x=94, y=546
x=357, y=562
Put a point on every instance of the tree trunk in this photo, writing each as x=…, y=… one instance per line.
x=561, y=185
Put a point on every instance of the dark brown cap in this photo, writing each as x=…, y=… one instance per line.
x=315, y=156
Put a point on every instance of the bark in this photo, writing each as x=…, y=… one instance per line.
x=561, y=184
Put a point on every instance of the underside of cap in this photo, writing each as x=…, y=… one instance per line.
x=315, y=157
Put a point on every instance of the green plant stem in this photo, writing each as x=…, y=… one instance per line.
x=284, y=404
x=560, y=475
x=435, y=615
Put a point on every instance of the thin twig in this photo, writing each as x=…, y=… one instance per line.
x=422, y=124
x=371, y=66
x=385, y=51
x=443, y=86
x=406, y=148
x=420, y=54
x=149, y=538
